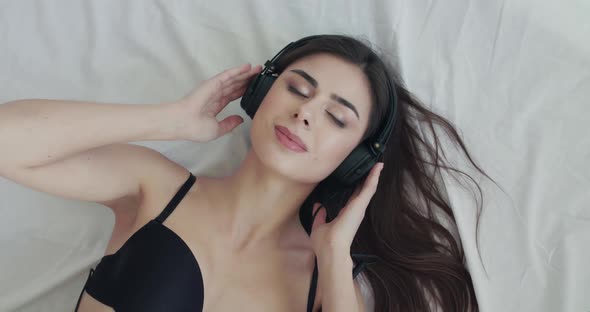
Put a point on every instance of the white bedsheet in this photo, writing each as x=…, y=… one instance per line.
x=514, y=76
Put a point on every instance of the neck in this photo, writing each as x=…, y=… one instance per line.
x=259, y=205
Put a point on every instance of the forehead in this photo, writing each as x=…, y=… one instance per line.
x=336, y=75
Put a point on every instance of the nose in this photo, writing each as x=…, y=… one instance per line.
x=304, y=114
x=297, y=116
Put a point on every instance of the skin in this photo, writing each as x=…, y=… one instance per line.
x=271, y=183
x=261, y=213
x=249, y=242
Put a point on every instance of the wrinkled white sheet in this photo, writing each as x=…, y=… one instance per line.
x=514, y=76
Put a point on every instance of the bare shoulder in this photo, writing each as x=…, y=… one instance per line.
x=160, y=181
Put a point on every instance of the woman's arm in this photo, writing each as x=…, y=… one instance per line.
x=339, y=291
x=38, y=132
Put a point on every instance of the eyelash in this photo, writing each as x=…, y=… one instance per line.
x=338, y=122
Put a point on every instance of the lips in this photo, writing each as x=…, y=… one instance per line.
x=291, y=136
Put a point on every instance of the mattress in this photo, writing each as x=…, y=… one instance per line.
x=513, y=76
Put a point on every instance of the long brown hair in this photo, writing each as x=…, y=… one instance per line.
x=421, y=263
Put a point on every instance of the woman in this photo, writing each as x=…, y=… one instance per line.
x=255, y=240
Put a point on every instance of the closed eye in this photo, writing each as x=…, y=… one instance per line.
x=294, y=90
x=336, y=121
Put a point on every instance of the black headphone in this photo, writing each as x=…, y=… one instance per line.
x=363, y=157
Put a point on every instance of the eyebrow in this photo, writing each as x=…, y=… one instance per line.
x=333, y=96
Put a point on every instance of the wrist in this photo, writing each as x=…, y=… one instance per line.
x=175, y=120
x=334, y=259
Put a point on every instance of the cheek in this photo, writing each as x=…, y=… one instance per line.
x=334, y=152
x=266, y=112
x=273, y=99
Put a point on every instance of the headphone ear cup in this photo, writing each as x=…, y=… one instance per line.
x=255, y=93
x=355, y=165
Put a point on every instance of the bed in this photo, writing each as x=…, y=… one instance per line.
x=513, y=76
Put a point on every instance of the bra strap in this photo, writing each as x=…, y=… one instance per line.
x=83, y=289
x=312, y=287
x=177, y=198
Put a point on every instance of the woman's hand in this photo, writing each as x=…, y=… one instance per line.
x=197, y=110
x=335, y=238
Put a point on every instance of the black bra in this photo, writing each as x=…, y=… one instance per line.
x=155, y=270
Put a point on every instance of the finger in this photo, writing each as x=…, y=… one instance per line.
x=370, y=184
x=239, y=81
x=242, y=82
x=230, y=73
x=357, y=191
x=223, y=100
x=246, y=75
x=243, y=78
x=225, y=96
x=228, y=124
x=235, y=87
x=319, y=216
x=229, y=91
x=358, y=205
x=236, y=94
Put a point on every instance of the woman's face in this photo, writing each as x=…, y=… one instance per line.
x=325, y=101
